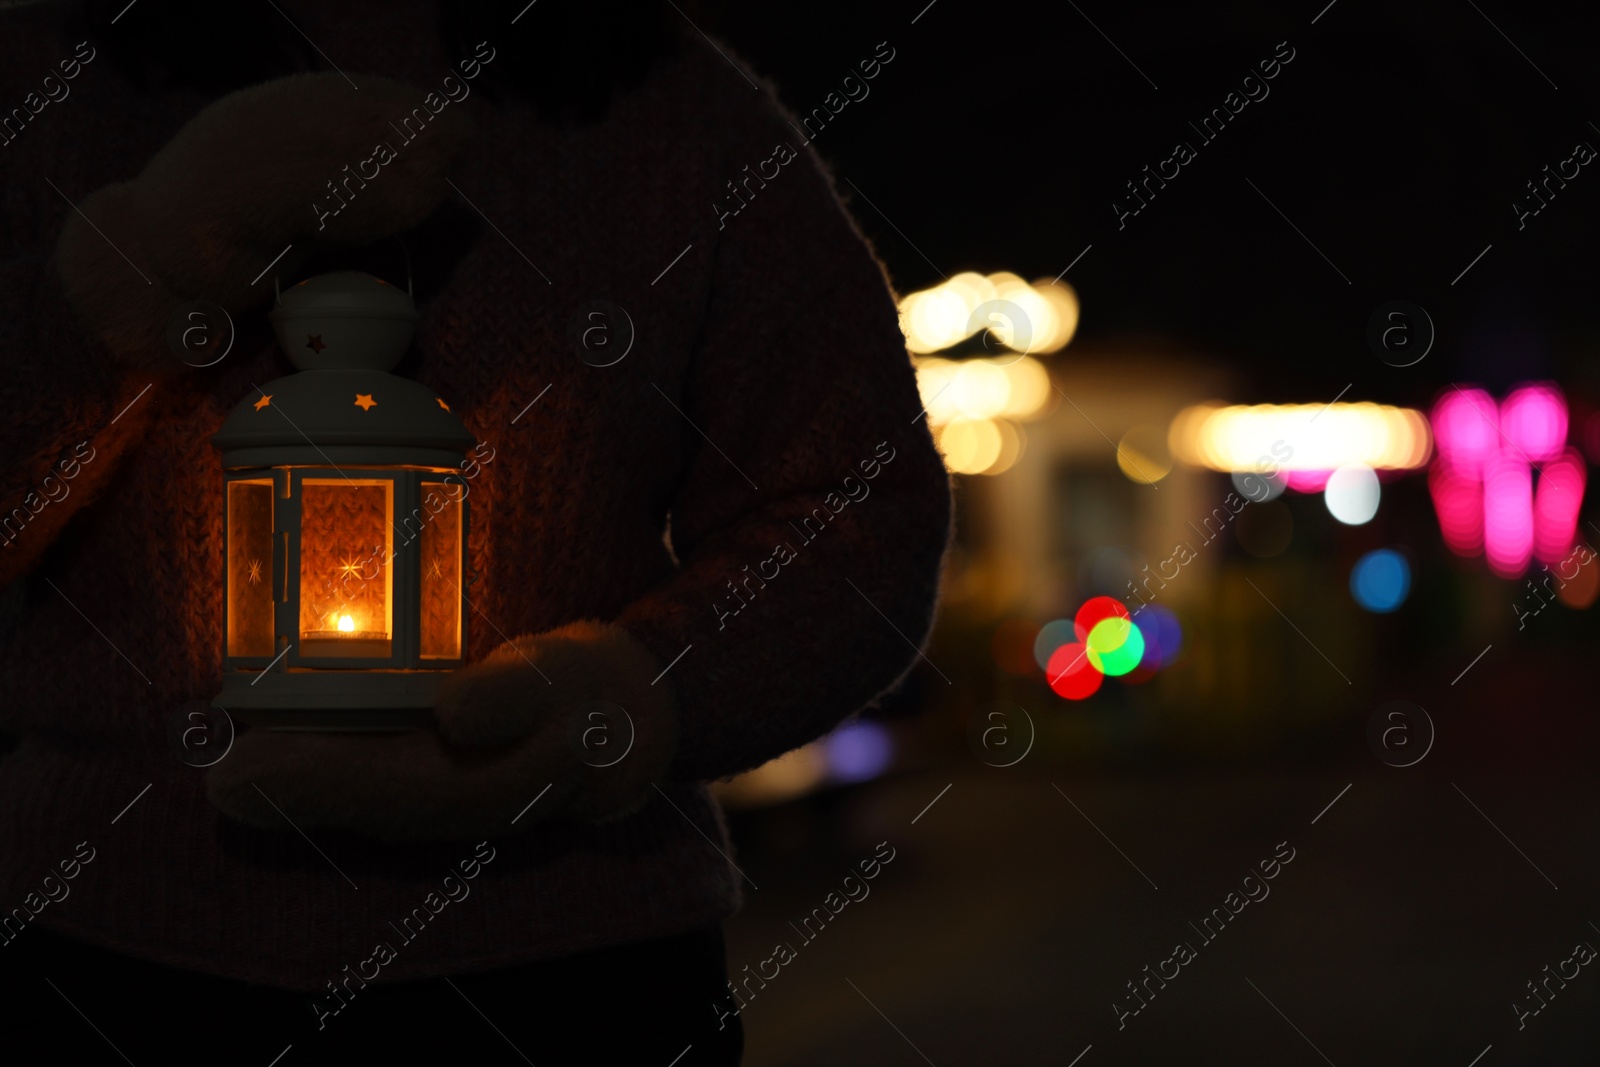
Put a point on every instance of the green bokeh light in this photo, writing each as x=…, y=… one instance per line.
x=1115, y=646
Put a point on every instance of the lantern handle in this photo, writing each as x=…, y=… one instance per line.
x=411, y=291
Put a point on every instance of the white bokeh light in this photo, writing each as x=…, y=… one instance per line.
x=1352, y=494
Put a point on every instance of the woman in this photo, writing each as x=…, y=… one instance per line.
x=733, y=532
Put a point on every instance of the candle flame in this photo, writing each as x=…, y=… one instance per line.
x=346, y=624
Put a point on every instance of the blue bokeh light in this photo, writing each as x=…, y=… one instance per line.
x=1380, y=580
x=1162, y=632
x=858, y=751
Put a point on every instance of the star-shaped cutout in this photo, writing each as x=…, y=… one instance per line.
x=266, y=398
x=441, y=403
x=255, y=571
x=314, y=342
x=365, y=402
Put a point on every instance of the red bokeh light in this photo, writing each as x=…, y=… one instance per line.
x=1071, y=674
x=1094, y=610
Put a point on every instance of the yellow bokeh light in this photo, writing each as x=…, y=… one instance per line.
x=934, y=319
x=980, y=389
x=790, y=775
x=970, y=446
x=1038, y=331
x=933, y=386
x=1313, y=437
x=1143, y=456
x=1030, y=387
x=972, y=287
x=1016, y=387
x=1039, y=318
x=1064, y=299
x=1012, y=442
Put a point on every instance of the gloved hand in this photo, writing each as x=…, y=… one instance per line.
x=234, y=187
x=508, y=727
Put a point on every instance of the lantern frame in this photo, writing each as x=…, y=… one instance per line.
x=404, y=559
x=302, y=430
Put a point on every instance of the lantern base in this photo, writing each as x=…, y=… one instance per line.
x=313, y=699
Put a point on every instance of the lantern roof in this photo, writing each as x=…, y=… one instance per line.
x=345, y=330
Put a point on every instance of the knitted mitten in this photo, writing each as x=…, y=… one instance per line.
x=573, y=717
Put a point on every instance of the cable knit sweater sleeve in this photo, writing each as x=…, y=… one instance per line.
x=812, y=518
x=60, y=391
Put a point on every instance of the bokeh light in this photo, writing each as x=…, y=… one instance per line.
x=1063, y=299
x=1109, y=642
x=1352, y=494
x=1093, y=611
x=1556, y=502
x=1039, y=318
x=1028, y=387
x=1168, y=632
x=792, y=774
x=1467, y=429
x=1483, y=484
x=1109, y=634
x=1052, y=635
x=1115, y=646
x=1307, y=481
x=1534, y=421
x=858, y=751
x=1012, y=442
x=970, y=405
x=1310, y=437
x=1458, y=501
x=1507, y=514
x=1150, y=632
x=1070, y=673
x=970, y=446
x=1142, y=454
x=979, y=389
x=1380, y=580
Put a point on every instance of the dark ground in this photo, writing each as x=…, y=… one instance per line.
x=1401, y=933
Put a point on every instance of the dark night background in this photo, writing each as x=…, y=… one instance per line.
x=1396, y=140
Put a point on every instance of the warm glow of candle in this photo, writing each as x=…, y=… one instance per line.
x=346, y=624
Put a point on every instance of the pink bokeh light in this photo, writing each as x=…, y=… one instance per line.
x=1466, y=429
x=1534, y=421
x=1458, y=500
x=1306, y=481
x=1508, y=514
x=1555, y=506
x=1482, y=478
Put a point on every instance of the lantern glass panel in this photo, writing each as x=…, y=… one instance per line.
x=250, y=601
x=441, y=570
x=346, y=581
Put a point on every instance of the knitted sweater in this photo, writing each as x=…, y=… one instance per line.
x=764, y=421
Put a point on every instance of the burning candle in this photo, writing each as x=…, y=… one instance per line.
x=344, y=637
